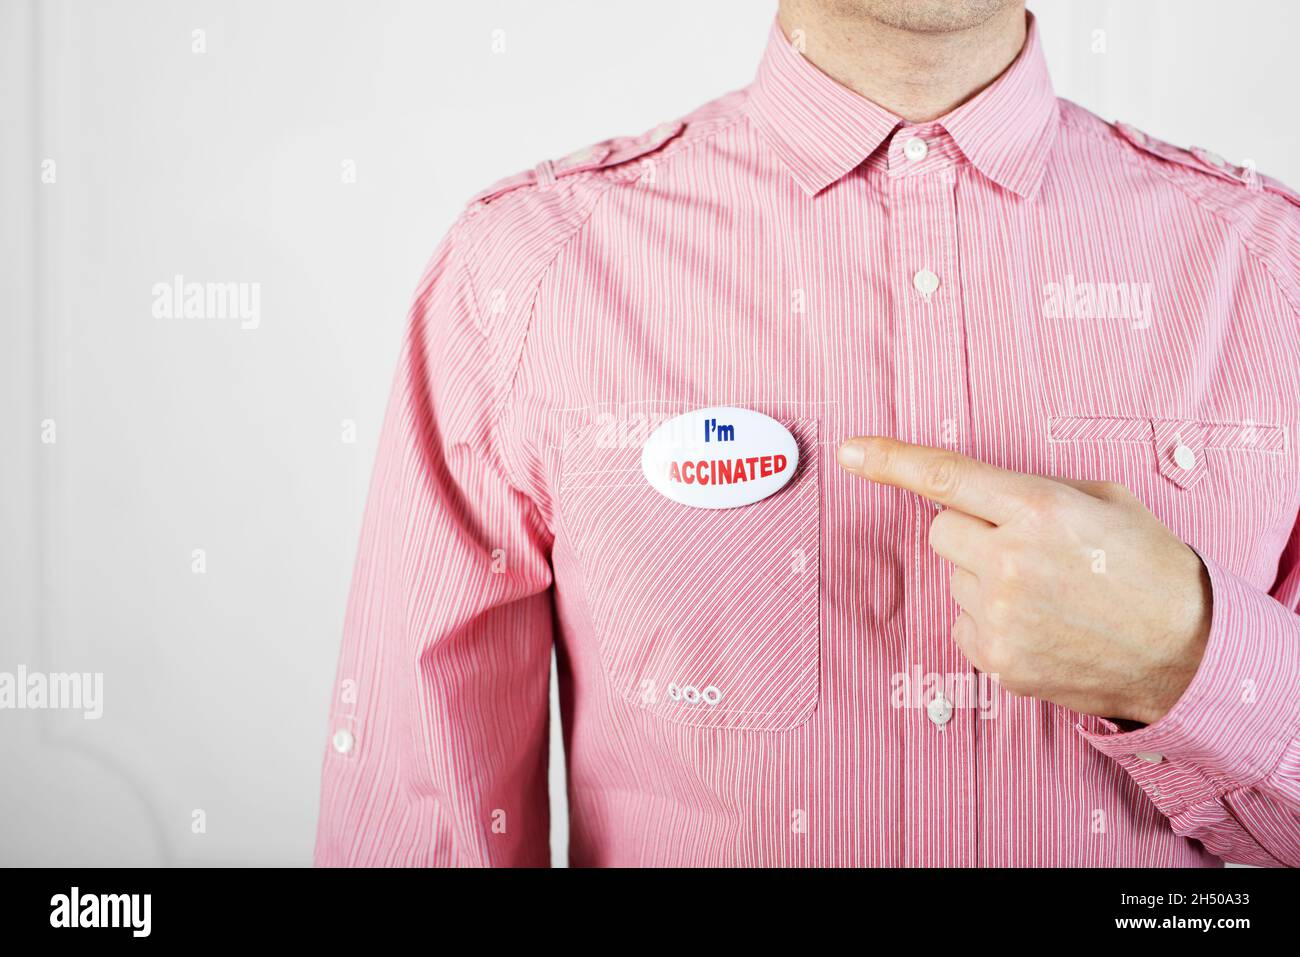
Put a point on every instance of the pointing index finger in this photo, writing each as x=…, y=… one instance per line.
x=942, y=476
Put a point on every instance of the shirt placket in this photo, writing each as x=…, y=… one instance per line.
x=938, y=777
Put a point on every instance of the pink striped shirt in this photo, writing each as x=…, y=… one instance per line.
x=1107, y=307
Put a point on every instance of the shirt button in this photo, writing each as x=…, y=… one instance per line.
x=1184, y=457
x=915, y=149
x=343, y=741
x=1151, y=757
x=925, y=282
x=939, y=710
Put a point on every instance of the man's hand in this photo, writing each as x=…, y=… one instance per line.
x=1070, y=591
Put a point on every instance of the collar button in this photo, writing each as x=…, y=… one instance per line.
x=915, y=149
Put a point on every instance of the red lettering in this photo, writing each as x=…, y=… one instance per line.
x=726, y=471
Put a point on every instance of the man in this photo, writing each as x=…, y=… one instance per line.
x=1055, y=361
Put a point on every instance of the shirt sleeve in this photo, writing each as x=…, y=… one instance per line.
x=1224, y=764
x=438, y=726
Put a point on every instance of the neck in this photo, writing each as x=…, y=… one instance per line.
x=917, y=74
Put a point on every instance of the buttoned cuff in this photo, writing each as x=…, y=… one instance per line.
x=1230, y=727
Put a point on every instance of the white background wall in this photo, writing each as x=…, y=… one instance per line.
x=175, y=435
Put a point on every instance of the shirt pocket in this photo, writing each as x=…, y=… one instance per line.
x=1225, y=486
x=705, y=617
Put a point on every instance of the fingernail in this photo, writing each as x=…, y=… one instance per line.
x=851, y=455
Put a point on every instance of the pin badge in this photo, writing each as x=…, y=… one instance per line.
x=720, y=457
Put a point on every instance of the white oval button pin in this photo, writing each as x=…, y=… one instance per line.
x=721, y=457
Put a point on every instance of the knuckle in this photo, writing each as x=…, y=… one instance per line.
x=956, y=584
x=992, y=658
x=1000, y=661
x=940, y=476
x=1011, y=565
x=940, y=529
x=881, y=457
x=964, y=633
x=1000, y=610
x=1044, y=503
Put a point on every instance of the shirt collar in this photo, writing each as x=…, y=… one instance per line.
x=821, y=130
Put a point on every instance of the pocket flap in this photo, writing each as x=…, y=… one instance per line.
x=1246, y=437
x=1180, y=450
x=1179, y=445
x=1098, y=428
